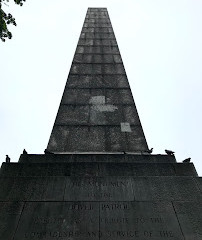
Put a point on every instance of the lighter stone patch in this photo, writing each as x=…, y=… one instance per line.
x=104, y=108
x=99, y=105
x=95, y=100
x=125, y=127
x=53, y=142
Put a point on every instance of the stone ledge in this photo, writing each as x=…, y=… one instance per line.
x=95, y=157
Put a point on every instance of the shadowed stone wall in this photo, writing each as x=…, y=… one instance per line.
x=107, y=196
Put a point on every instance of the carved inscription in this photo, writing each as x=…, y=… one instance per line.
x=149, y=220
x=114, y=220
x=100, y=195
x=115, y=206
x=139, y=234
x=109, y=234
x=104, y=220
x=96, y=183
x=138, y=220
x=98, y=189
x=43, y=220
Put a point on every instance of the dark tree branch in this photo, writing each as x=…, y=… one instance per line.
x=6, y=19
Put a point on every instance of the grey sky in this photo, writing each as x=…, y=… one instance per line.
x=160, y=43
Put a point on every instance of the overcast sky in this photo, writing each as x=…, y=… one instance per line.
x=161, y=45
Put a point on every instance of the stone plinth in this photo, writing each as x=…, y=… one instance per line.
x=100, y=196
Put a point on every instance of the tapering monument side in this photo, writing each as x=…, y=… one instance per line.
x=97, y=112
x=97, y=180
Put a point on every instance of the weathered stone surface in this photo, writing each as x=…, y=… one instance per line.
x=76, y=96
x=97, y=81
x=97, y=71
x=9, y=218
x=91, y=167
x=6, y=186
x=89, y=157
x=58, y=220
x=166, y=189
x=59, y=169
x=116, y=140
x=199, y=182
x=9, y=169
x=83, y=96
x=137, y=169
x=85, y=169
x=144, y=157
x=36, y=170
x=32, y=189
x=189, y=215
x=139, y=220
x=98, y=189
x=108, y=220
x=96, y=138
x=116, y=169
x=187, y=169
x=73, y=115
x=135, y=139
x=150, y=169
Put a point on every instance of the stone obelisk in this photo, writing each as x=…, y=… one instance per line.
x=97, y=180
x=97, y=112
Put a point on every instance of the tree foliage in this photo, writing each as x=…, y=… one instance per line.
x=6, y=19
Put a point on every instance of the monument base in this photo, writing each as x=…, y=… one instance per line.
x=100, y=196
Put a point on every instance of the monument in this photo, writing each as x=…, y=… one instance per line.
x=97, y=179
